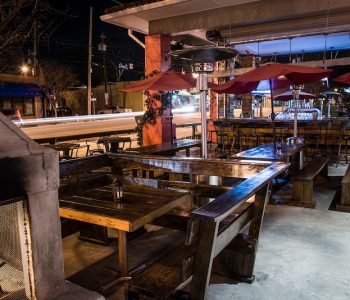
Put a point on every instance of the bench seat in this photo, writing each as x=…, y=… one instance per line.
x=163, y=278
x=344, y=205
x=303, y=182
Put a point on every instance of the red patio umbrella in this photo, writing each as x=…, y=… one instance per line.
x=279, y=75
x=345, y=78
x=286, y=96
x=165, y=81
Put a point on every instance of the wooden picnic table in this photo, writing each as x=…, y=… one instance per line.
x=112, y=143
x=267, y=152
x=193, y=125
x=65, y=149
x=140, y=206
x=169, y=149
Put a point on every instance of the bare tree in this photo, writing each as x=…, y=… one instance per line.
x=22, y=21
x=57, y=78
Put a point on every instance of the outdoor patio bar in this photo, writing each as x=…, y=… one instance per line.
x=175, y=149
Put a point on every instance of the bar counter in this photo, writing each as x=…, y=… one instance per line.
x=322, y=137
x=333, y=124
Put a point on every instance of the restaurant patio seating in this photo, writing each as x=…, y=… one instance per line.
x=66, y=150
x=90, y=199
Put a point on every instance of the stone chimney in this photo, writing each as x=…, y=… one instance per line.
x=29, y=180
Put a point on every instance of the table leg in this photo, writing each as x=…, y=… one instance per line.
x=122, y=252
x=187, y=152
x=123, y=263
x=114, y=146
x=301, y=159
x=194, y=131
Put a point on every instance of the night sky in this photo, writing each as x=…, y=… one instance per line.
x=69, y=43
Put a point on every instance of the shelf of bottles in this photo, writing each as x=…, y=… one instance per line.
x=305, y=112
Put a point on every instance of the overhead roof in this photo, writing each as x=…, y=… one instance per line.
x=8, y=89
x=137, y=15
x=263, y=27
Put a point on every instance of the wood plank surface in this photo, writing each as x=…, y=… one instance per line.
x=225, y=204
x=214, y=167
x=163, y=277
x=345, y=190
x=267, y=152
x=80, y=165
x=168, y=148
x=312, y=169
x=140, y=205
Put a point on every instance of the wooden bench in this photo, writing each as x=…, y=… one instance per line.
x=211, y=229
x=345, y=193
x=303, y=182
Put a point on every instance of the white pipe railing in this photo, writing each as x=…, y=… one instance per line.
x=85, y=118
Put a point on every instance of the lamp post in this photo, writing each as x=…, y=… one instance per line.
x=102, y=47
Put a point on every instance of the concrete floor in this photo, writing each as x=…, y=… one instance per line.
x=303, y=254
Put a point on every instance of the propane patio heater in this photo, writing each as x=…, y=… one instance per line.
x=202, y=61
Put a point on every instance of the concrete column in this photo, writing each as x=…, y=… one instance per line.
x=247, y=61
x=221, y=66
x=156, y=59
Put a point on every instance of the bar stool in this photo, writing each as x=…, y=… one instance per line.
x=221, y=136
x=98, y=149
x=342, y=140
x=312, y=134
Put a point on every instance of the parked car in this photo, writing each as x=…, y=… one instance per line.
x=12, y=113
x=62, y=111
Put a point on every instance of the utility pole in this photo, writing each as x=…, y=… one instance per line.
x=35, y=51
x=89, y=65
x=102, y=47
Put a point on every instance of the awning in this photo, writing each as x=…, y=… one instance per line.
x=9, y=89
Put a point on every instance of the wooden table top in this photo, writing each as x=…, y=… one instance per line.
x=168, y=147
x=64, y=146
x=111, y=139
x=267, y=152
x=140, y=206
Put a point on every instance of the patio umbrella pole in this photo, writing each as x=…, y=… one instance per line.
x=273, y=117
x=171, y=119
x=296, y=91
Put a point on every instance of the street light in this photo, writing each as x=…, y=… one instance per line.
x=24, y=69
x=102, y=47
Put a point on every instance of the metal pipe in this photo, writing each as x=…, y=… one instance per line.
x=89, y=64
x=131, y=35
x=296, y=92
x=203, y=85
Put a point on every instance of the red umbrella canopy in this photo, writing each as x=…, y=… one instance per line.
x=289, y=96
x=345, y=78
x=281, y=75
x=164, y=81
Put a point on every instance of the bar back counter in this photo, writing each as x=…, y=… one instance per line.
x=322, y=137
